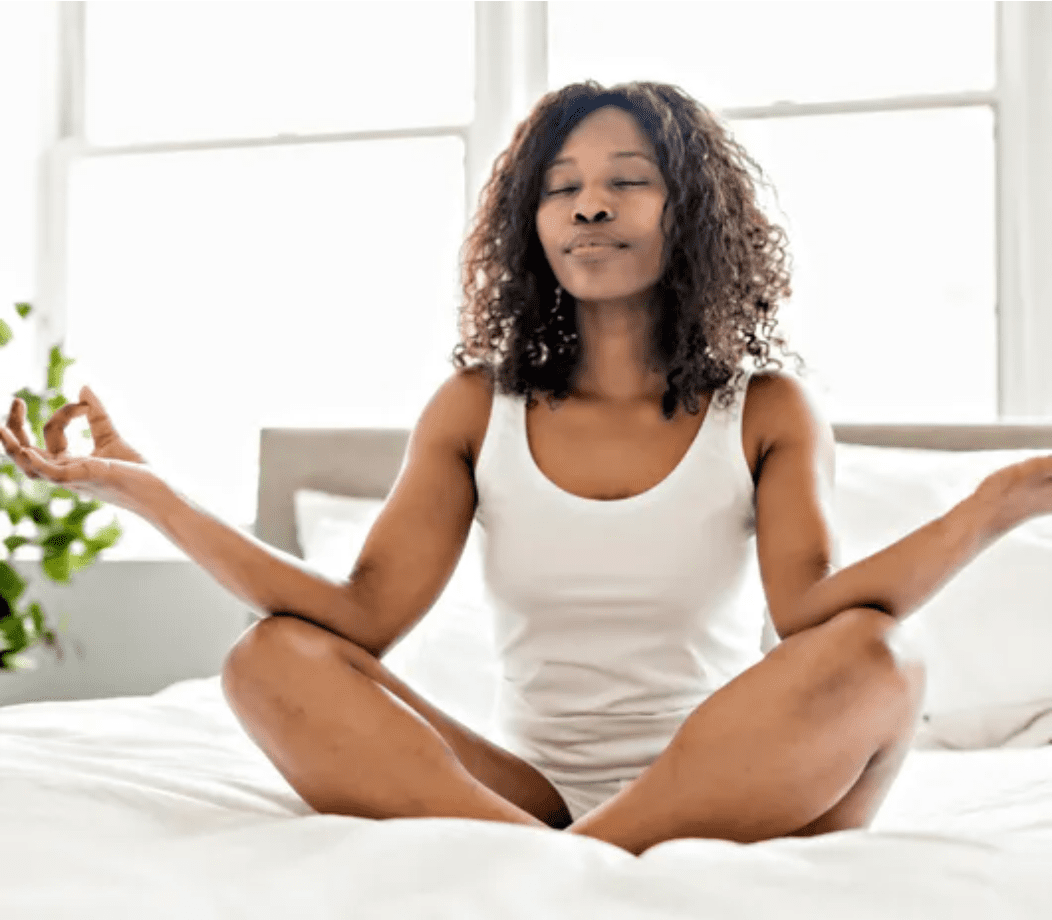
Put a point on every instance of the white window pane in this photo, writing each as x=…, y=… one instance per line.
x=26, y=31
x=214, y=293
x=891, y=227
x=737, y=54
x=181, y=71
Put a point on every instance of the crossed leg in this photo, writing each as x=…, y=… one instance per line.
x=807, y=741
x=859, y=807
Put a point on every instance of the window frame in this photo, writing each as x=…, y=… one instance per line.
x=511, y=73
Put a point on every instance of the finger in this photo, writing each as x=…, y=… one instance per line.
x=16, y=422
x=39, y=466
x=28, y=460
x=30, y=464
x=98, y=419
x=10, y=443
x=55, y=429
x=14, y=448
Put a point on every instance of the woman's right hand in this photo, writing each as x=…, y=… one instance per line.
x=113, y=473
x=109, y=445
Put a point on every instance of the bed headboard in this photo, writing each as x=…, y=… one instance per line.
x=364, y=462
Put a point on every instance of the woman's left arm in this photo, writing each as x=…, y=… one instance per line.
x=795, y=523
x=904, y=576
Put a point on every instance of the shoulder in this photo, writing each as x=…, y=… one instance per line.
x=471, y=391
x=785, y=409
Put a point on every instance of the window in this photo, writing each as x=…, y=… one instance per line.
x=233, y=215
x=174, y=71
x=219, y=282
x=216, y=292
x=889, y=208
x=25, y=29
x=891, y=231
x=755, y=54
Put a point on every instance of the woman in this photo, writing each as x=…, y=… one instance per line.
x=619, y=266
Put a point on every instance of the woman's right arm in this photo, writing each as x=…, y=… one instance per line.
x=406, y=561
x=267, y=579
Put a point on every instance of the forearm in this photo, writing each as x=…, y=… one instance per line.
x=907, y=574
x=265, y=578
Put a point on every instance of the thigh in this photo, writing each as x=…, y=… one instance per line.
x=500, y=770
x=772, y=749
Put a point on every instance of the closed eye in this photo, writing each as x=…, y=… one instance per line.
x=573, y=188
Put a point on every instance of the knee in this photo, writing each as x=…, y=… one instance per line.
x=243, y=657
x=877, y=639
x=263, y=650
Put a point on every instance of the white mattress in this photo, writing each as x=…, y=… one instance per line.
x=160, y=806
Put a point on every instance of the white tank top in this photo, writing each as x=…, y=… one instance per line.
x=614, y=619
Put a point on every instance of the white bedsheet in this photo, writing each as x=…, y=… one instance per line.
x=160, y=806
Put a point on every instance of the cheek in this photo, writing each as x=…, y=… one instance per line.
x=544, y=233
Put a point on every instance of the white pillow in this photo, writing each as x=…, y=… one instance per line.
x=986, y=634
x=449, y=657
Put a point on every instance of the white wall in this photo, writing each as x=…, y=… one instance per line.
x=141, y=625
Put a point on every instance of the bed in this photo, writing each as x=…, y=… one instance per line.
x=160, y=805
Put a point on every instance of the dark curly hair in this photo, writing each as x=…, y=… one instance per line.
x=725, y=271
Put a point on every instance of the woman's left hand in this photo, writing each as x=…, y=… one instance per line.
x=1019, y=492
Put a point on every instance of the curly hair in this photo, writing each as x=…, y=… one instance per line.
x=725, y=267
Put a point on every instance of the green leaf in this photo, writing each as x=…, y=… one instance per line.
x=14, y=542
x=13, y=632
x=106, y=537
x=19, y=663
x=17, y=508
x=6, y=335
x=58, y=541
x=56, y=371
x=41, y=514
x=78, y=515
x=57, y=568
x=24, y=309
x=83, y=560
x=11, y=583
x=56, y=402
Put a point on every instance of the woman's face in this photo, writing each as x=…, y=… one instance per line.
x=593, y=186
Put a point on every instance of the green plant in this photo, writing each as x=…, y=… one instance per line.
x=21, y=629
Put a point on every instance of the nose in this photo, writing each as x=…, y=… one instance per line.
x=601, y=215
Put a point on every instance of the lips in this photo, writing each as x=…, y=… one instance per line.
x=594, y=239
x=594, y=253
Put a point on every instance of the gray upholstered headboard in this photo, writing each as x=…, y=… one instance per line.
x=365, y=462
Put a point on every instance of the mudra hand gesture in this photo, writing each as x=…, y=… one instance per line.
x=108, y=474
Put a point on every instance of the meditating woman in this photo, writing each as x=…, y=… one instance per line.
x=620, y=268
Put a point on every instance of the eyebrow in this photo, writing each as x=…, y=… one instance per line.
x=613, y=156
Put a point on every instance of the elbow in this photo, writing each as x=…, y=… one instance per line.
x=797, y=625
x=360, y=645
x=300, y=616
